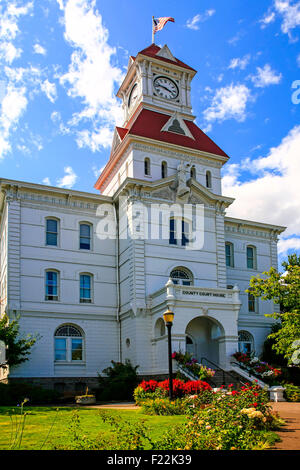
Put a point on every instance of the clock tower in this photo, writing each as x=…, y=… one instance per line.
x=159, y=131
x=157, y=79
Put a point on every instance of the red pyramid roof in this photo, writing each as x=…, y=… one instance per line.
x=149, y=124
x=152, y=51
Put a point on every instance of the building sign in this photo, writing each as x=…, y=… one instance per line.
x=203, y=294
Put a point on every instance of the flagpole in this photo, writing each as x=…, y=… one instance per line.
x=152, y=29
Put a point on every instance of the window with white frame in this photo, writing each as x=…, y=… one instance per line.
x=51, y=285
x=164, y=169
x=68, y=344
x=251, y=257
x=85, y=236
x=147, y=168
x=208, y=179
x=52, y=232
x=181, y=276
x=252, y=303
x=86, y=288
x=175, y=238
x=229, y=254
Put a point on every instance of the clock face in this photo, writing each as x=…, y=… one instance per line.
x=133, y=95
x=166, y=88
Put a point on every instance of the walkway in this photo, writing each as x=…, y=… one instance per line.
x=290, y=433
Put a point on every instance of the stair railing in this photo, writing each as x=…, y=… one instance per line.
x=224, y=372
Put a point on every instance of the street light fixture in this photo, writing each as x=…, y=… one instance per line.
x=168, y=318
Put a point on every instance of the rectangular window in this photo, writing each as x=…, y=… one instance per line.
x=76, y=351
x=251, y=303
x=172, y=239
x=85, y=237
x=85, y=288
x=229, y=255
x=60, y=349
x=185, y=233
x=250, y=257
x=51, y=232
x=51, y=286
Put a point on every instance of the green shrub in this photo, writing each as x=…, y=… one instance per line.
x=164, y=406
x=292, y=392
x=119, y=383
x=14, y=393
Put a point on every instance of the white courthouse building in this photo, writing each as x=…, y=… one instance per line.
x=91, y=299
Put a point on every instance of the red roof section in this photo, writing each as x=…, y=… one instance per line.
x=149, y=124
x=152, y=51
x=121, y=131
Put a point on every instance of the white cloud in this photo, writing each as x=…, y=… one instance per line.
x=50, y=90
x=267, y=19
x=13, y=105
x=292, y=243
x=193, y=23
x=266, y=76
x=68, y=180
x=38, y=49
x=273, y=194
x=9, y=52
x=288, y=11
x=298, y=60
x=228, y=103
x=239, y=62
x=46, y=181
x=91, y=76
x=97, y=171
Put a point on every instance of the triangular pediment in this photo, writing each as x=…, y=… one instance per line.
x=166, y=53
x=177, y=125
x=116, y=141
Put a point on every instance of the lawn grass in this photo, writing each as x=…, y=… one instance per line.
x=40, y=419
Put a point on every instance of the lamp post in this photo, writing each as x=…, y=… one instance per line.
x=168, y=318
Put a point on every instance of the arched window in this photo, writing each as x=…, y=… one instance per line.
x=51, y=285
x=147, y=168
x=175, y=238
x=193, y=172
x=251, y=257
x=159, y=329
x=208, y=179
x=52, y=231
x=246, y=342
x=229, y=254
x=164, y=169
x=86, y=281
x=85, y=236
x=182, y=276
x=68, y=344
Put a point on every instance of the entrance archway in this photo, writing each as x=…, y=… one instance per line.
x=202, y=338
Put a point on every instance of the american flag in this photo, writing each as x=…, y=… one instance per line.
x=159, y=23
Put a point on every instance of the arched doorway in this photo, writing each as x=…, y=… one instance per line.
x=202, y=338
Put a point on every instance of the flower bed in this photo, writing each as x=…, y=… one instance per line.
x=191, y=365
x=257, y=368
x=153, y=389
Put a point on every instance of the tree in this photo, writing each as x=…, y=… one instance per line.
x=283, y=289
x=18, y=349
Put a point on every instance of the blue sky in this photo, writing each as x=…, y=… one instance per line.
x=62, y=61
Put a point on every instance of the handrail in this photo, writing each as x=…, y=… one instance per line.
x=220, y=368
x=190, y=375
